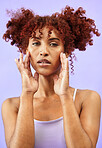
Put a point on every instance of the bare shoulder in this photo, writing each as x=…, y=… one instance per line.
x=90, y=113
x=9, y=108
x=9, y=115
x=12, y=103
x=86, y=96
x=90, y=101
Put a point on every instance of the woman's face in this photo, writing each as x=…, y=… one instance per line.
x=45, y=48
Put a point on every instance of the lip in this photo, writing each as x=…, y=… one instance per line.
x=43, y=62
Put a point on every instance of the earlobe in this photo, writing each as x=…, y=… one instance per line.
x=26, y=50
x=67, y=55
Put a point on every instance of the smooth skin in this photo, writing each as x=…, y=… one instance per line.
x=48, y=96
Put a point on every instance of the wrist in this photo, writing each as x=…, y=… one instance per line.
x=65, y=93
x=26, y=99
x=25, y=95
x=65, y=98
x=26, y=92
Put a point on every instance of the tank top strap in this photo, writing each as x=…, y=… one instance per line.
x=74, y=94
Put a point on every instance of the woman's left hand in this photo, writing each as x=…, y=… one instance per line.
x=61, y=82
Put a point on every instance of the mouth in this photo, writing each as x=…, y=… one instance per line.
x=44, y=62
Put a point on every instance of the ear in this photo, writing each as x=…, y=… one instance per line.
x=26, y=50
x=67, y=55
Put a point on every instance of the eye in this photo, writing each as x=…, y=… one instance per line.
x=53, y=44
x=36, y=43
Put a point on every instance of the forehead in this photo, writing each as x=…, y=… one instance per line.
x=44, y=32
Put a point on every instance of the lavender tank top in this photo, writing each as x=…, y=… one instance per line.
x=50, y=134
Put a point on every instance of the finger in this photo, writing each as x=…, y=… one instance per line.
x=36, y=76
x=17, y=63
x=27, y=61
x=55, y=78
x=63, y=58
x=21, y=58
x=61, y=54
x=64, y=62
x=67, y=65
x=64, y=66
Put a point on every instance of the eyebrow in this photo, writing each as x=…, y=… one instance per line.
x=50, y=39
x=36, y=38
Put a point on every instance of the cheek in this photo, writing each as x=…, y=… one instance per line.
x=61, y=49
x=56, y=60
x=33, y=59
x=57, y=55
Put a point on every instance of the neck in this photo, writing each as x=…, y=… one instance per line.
x=46, y=86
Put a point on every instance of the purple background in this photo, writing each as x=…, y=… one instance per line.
x=88, y=69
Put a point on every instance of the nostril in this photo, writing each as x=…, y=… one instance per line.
x=44, y=54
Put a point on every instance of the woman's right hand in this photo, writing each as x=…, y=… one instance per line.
x=29, y=82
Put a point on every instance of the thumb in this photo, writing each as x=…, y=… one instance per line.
x=36, y=76
x=55, y=78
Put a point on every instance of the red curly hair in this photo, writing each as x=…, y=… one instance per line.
x=76, y=31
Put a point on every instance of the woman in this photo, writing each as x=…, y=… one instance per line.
x=49, y=113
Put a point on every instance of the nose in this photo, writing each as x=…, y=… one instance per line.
x=44, y=51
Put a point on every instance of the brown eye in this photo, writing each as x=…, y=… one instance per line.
x=53, y=44
x=36, y=43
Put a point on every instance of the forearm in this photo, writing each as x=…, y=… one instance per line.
x=24, y=131
x=75, y=135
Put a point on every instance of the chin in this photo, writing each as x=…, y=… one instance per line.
x=47, y=71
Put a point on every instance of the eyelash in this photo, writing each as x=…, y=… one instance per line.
x=54, y=44
x=51, y=44
x=37, y=43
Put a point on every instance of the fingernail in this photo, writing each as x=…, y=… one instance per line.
x=64, y=54
x=28, y=53
x=56, y=76
x=61, y=53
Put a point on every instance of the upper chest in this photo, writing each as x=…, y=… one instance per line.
x=51, y=110
x=45, y=110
